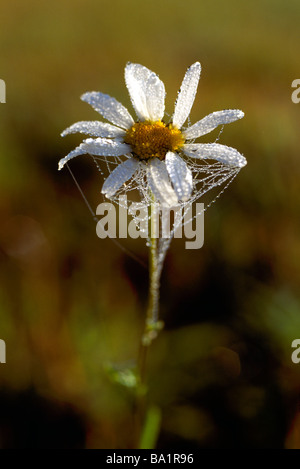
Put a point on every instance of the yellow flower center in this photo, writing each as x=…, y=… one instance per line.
x=153, y=139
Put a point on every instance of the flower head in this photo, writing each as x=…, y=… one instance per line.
x=150, y=145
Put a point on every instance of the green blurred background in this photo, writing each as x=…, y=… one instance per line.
x=72, y=306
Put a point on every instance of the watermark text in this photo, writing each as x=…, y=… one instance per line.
x=296, y=93
x=180, y=221
x=296, y=353
x=2, y=91
x=2, y=351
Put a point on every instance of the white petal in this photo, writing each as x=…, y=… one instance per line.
x=213, y=120
x=119, y=176
x=186, y=95
x=98, y=147
x=109, y=108
x=72, y=154
x=95, y=128
x=180, y=175
x=215, y=151
x=147, y=92
x=160, y=184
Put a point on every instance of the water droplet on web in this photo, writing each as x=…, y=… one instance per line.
x=206, y=177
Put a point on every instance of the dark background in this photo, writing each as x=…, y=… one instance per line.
x=72, y=305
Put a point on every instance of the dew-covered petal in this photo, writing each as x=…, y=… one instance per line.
x=215, y=151
x=119, y=176
x=97, y=147
x=109, y=108
x=180, y=175
x=147, y=92
x=213, y=120
x=95, y=129
x=186, y=95
x=160, y=184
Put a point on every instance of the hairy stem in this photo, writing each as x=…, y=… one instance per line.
x=152, y=323
x=152, y=312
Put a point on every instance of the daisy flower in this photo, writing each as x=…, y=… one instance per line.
x=149, y=144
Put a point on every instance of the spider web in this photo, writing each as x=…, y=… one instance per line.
x=210, y=179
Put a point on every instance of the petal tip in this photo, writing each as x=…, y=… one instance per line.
x=244, y=162
x=196, y=66
x=86, y=95
x=241, y=161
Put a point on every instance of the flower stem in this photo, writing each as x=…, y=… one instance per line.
x=152, y=323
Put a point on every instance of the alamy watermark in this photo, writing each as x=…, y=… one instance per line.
x=180, y=221
x=2, y=91
x=2, y=351
x=296, y=93
x=296, y=353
